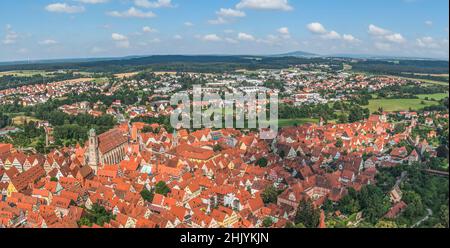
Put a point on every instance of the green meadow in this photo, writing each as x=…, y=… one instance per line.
x=392, y=105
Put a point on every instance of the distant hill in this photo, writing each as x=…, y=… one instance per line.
x=182, y=63
x=298, y=54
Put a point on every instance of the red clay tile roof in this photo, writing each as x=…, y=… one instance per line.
x=110, y=140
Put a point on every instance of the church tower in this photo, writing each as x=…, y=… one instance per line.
x=93, y=159
x=175, y=139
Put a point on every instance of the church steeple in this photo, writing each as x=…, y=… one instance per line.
x=175, y=138
x=93, y=158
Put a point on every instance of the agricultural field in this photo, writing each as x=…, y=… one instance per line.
x=26, y=73
x=392, y=105
x=429, y=81
x=125, y=75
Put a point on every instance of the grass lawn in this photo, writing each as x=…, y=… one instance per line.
x=20, y=120
x=102, y=80
x=392, y=105
x=298, y=121
x=295, y=121
x=437, y=96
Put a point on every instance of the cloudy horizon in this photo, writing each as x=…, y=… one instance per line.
x=59, y=29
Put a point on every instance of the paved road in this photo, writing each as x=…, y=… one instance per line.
x=430, y=212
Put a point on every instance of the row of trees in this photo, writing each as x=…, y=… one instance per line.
x=4, y=120
x=12, y=81
x=306, y=111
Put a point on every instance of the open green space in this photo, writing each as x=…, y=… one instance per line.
x=437, y=96
x=20, y=120
x=295, y=121
x=392, y=105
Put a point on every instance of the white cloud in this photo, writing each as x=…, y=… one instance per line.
x=429, y=23
x=48, y=42
x=211, y=37
x=219, y=20
x=178, y=37
x=395, y=38
x=118, y=37
x=148, y=29
x=230, y=13
x=316, y=28
x=121, y=40
x=93, y=1
x=385, y=35
x=245, y=37
x=132, y=12
x=155, y=4
x=283, y=30
x=427, y=42
x=10, y=37
x=265, y=5
x=377, y=31
x=231, y=40
x=332, y=35
x=64, y=8
x=227, y=15
x=188, y=24
x=350, y=38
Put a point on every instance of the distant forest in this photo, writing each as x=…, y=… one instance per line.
x=175, y=63
x=402, y=66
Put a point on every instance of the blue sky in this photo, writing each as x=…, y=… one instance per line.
x=49, y=29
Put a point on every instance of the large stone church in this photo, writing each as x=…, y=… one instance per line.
x=105, y=149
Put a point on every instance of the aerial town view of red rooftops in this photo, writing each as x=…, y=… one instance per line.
x=224, y=114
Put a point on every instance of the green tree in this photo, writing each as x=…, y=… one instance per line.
x=415, y=206
x=162, y=189
x=270, y=195
x=374, y=203
x=443, y=215
x=267, y=222
x=84, y=221
x=147, y=195
x=262, y=162
x=307, y=214
x=217, y=148
x=386, y=224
